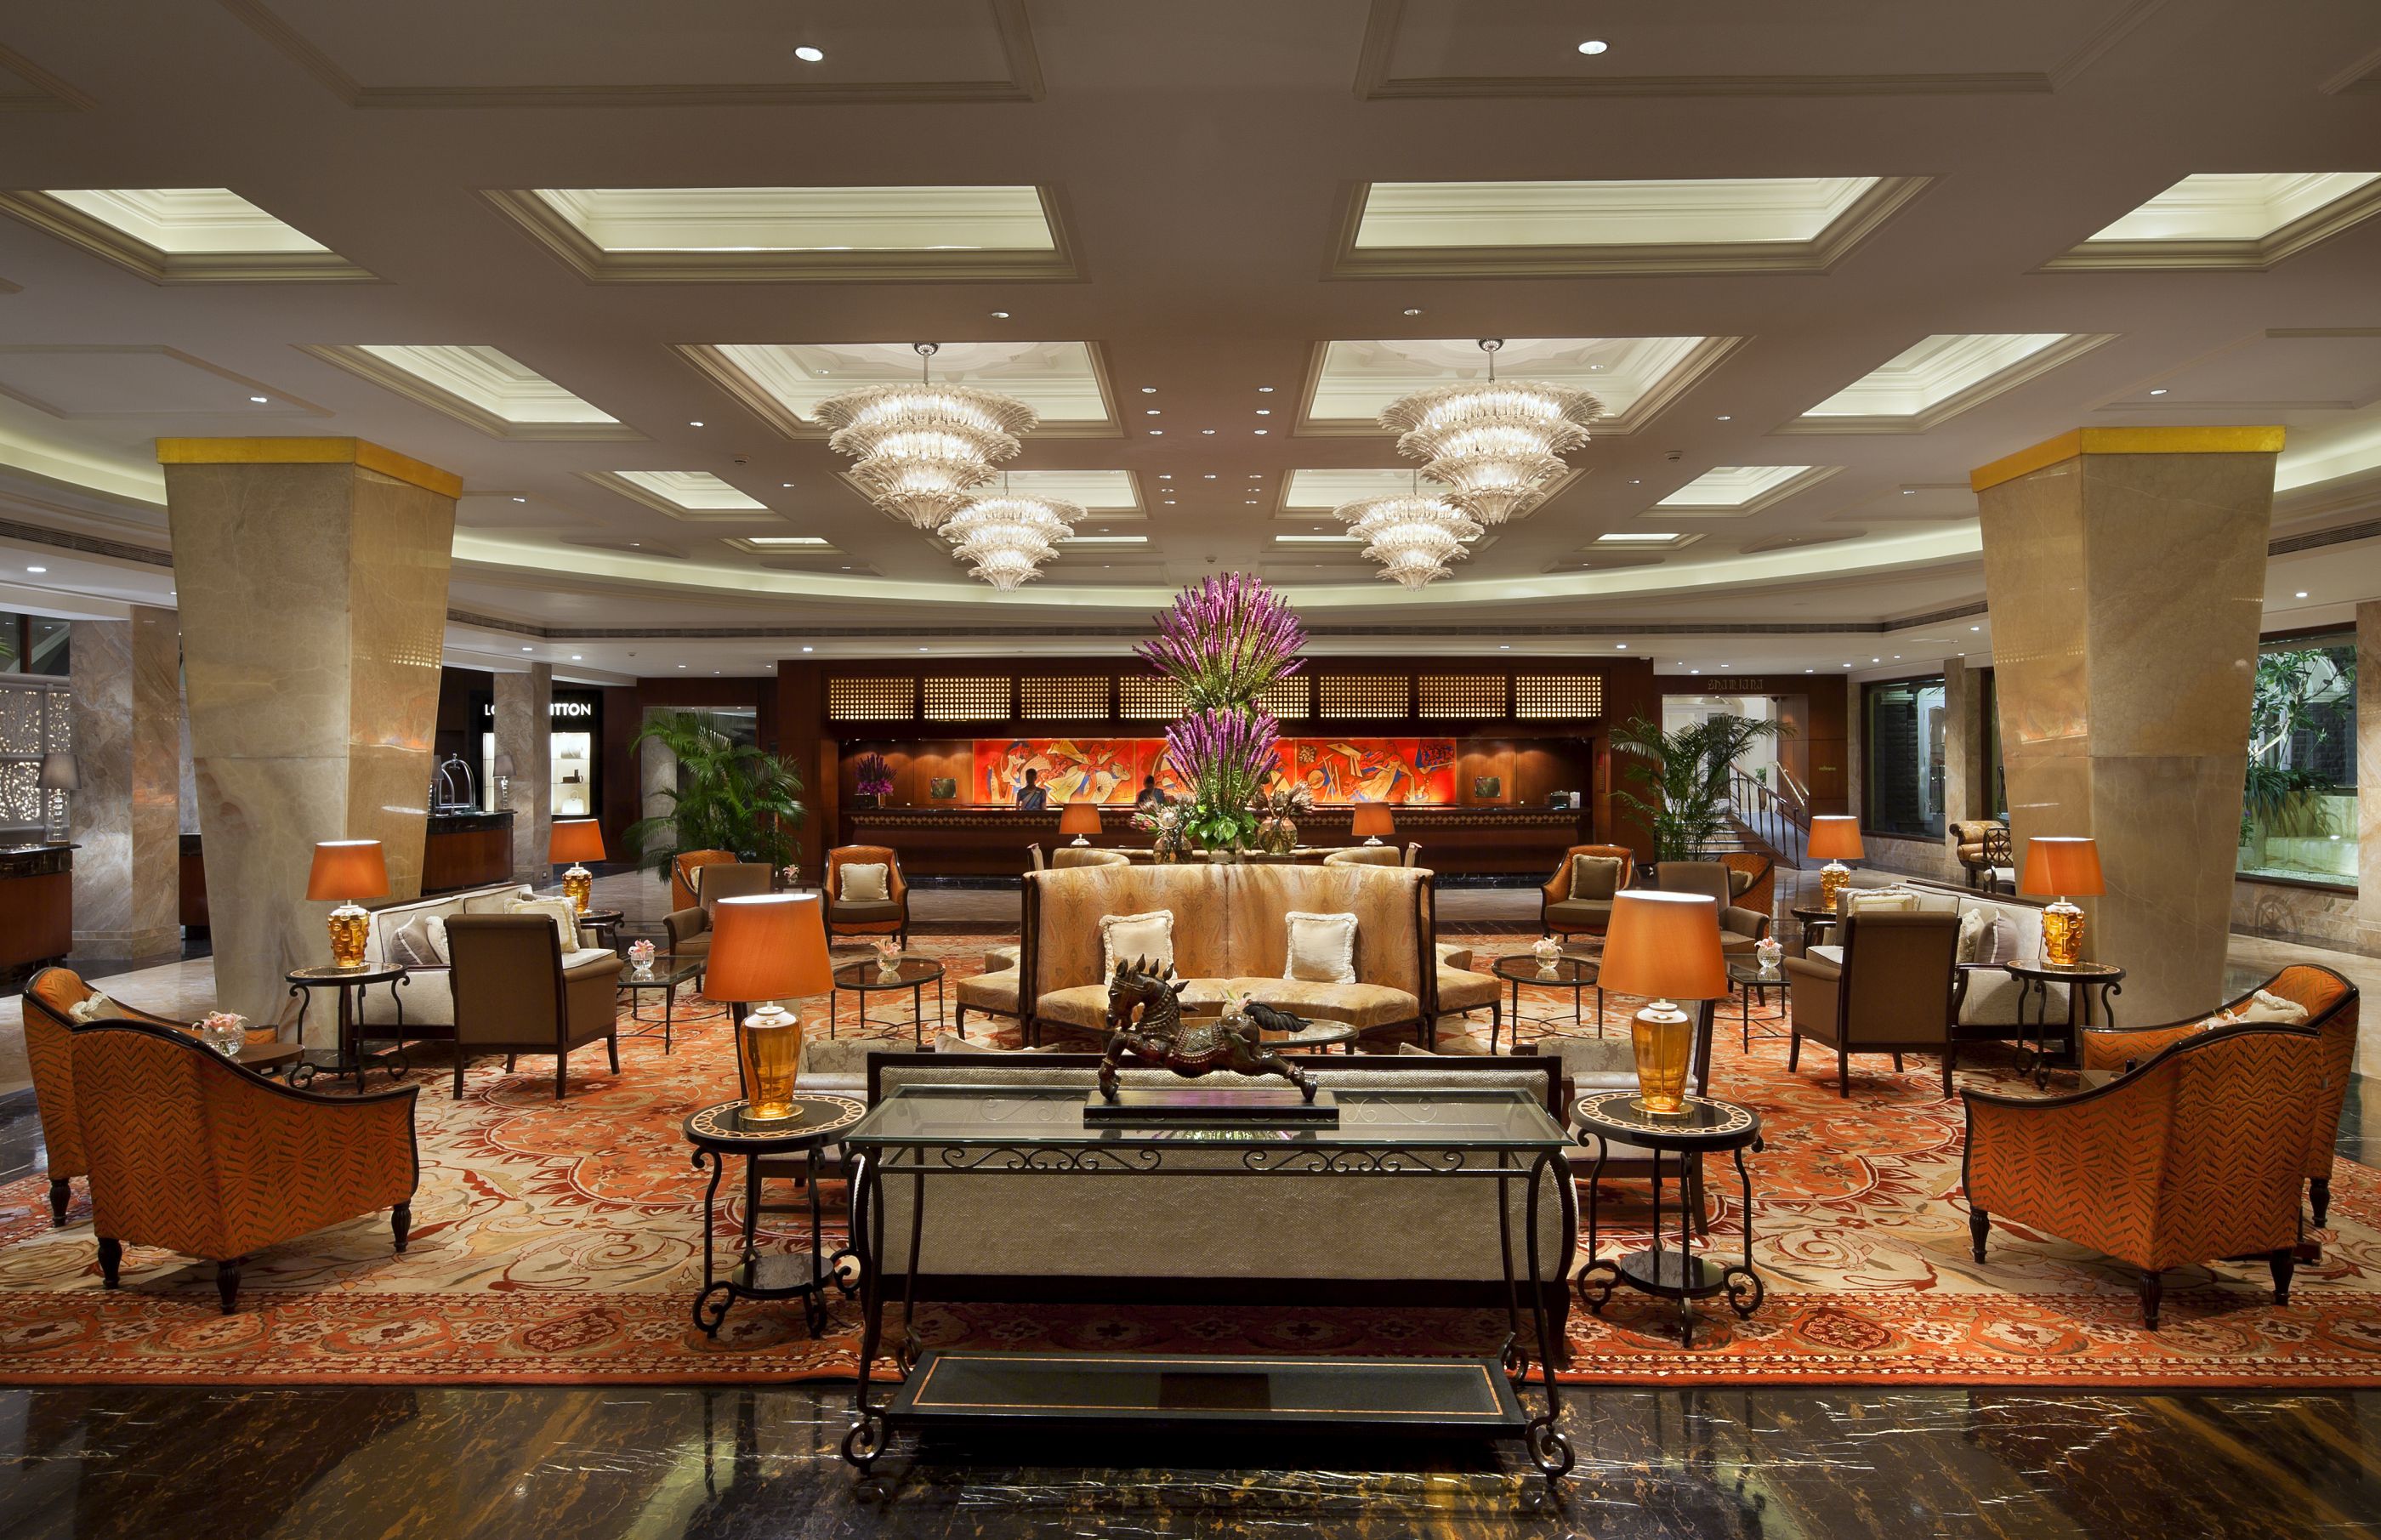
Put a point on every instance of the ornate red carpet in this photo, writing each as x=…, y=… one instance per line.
x=560, y=1244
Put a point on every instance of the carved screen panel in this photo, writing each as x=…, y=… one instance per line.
x=871, y=699
x=1462, y=694
x=1361, y=695
x=976, y=700
x=1543, y=696
x=1065, y=699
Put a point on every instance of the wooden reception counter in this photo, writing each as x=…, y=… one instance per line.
x=466, y=850
x=36, y=904
x=960, y=841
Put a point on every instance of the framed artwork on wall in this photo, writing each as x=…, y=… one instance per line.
x=943, y=788
x=1487, y=788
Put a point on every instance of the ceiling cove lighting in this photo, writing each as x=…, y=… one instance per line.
x=1494, y=443
x=922, y=448
x=1005, y=538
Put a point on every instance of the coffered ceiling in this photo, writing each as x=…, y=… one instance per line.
x=603, y=258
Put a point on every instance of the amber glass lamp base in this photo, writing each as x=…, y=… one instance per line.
x=1832, y=878
x=769, y=1051
x=1663, y=1037
x=348, y=924
x=2062, y=935
x=579, y=886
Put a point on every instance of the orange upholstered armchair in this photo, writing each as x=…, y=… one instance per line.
x=1751, y=880
x=852, y=909
x=50, y=1002
x=194, y=1153
x=1561, y=912
x=2330, y=1003
x=2193, y=1158
x=683, y=882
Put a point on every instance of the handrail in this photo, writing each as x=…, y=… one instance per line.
x=1782, y=822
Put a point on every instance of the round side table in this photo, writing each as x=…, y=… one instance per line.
x=1816, y=923
x=913, y=973
x=1577, y=974
x=2034, y=980
x=349, y=984
x=1707, y=1125
x=721, y=1130
x=605, y=923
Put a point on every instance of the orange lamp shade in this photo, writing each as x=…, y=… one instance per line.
x=1079, y=818
x=1372, y=820
x=1664, y=947
x=767, y=947
x=347, y=869
x=579, y=839
x=2062, y=866
x=1835, y=836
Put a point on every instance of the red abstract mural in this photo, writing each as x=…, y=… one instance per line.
x=1341, y=770
x=1336, y=770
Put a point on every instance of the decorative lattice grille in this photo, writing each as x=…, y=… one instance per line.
x=34, y=718
x=1064, y=699
x=1557, y=695
x=1291, y=697
x=871, y=699
x=1462, y=694
x=964, y=700
x=1361, y=695
x=1144, y=698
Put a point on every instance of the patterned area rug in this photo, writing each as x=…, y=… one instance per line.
x=558, y=1243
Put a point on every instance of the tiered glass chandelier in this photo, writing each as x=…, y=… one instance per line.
x=1494, y=444
x=1412, y=536
x=1004, y=539
x=922, y=448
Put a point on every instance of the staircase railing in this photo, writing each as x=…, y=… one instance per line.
x=1780, y=816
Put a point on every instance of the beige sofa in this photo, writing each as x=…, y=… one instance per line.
x=427, y=1000
x=1231, y=932
x=1991, y=1001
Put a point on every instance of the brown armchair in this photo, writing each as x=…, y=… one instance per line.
x=1753, y=879
x=1561, y=914
x=685, y=885
x=1897, y=991
x=2193, y=1158
x=192, y=1153
x=514, y=995
x=1741, y=929
x=888, y=917
x=689, y=929
x=49, y=1005
x=2331, y=1005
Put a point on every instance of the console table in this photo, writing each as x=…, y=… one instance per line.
x=957, y=1132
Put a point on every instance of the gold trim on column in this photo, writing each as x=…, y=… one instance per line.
x=310, y=451
x=2127, y=441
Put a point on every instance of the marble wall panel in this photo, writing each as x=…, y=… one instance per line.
x=125, y=679
x=524, y=707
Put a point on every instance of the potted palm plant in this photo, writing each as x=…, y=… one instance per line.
x=1684, y=777
x=730, y=796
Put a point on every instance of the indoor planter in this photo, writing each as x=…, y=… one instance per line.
x=730, y=796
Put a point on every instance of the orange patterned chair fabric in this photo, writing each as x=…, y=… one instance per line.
x=2192, y=1157
x=194, y=1153
x=1759, y=895
x=1556, y=915
x=889, y=918
x=2331, y=1005
x=682, y=865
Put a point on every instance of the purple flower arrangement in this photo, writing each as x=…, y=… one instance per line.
x=1226, y=641
x=873, y=775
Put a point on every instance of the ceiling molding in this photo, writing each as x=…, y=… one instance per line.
x=414, y=388
x=757, y=398
x=282, y=402
x=2026, y=369
x=1817, y=254
x=2237, y=256
x=49, y=93
x=612, y=480
x=1795, y=485
x=593, y=263
x=1023, y=83
x=1657, y=398
x=101, y=240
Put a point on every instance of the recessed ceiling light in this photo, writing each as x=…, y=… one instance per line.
x=1261, y=433
x=1253, y=502
x=1724, y=418
x=1504, y=646
x=1413, y=313
x=1149, y=390
x=1265, y=411
x=1594, y=45
x=785, y=483
x=2159, y=391
x=524, y=649
x=635, y=545
x=806, y=649
x=1621, y=646
x=520, y=499
x=1848, y=665
x=574, y=657
x=921, y=649
x=1152, y=410
x=2300, y=594
x=1980, y=628
x=1909, y=492
x=259, y=400
x=682, y=665
x=1695, y=670
x=1810, y=671
x=1636, y=480
x=808, y=55
x=1876, y=660
x=1157, y=432
x=696, y=422
x=1211, y=476
x=1170, y=502
x=1000, y=315
x=1207, y=430
x=37, y=569
x=1166, y=475
x=1265, y=390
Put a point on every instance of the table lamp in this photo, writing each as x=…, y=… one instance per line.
x=2057, y=865
x=1371, y=820
x=768, y=947
x=348, y=870
x=58, y=773
x=1835, y=837
x=503, y=771
x=1666, y=948
x=577, y=840
x=1079, y=819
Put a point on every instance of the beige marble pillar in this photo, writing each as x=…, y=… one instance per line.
x=2125, y=569
x=524, y=707
x=125, y=676
x=2368, y=764
x=313, y=579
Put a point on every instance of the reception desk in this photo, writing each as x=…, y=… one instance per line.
x=36, y=904
x=958, y=842
x=466, y=850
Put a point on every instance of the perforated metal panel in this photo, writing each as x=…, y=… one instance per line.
x=1062, y=699
x=1460, y=694
x=1144, y=698
x=1541, y=696
x=1287, y=698
x=871, y=699
x=35, y=717
x=1361, y=695
x=980, y=700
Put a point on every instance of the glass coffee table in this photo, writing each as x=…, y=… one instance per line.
x=1577, y=974
x=910, y=972
x=1743, y=978
x=667, y=971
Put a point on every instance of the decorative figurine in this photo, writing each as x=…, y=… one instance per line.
x=1145, y=1016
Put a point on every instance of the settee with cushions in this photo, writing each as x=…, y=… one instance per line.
x=1339, y=942
x=2002, y=930
x=413, y=935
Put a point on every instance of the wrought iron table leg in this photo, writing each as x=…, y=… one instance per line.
x=1606, y=1286
x=911, y=1344
x=1744, y=1278
x=1687, y=1263
x=709, y=1316
x=1546, y=1443
x=865, y=1442
x=1514, y=1364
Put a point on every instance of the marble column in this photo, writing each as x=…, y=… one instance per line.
x=656, y=772
x=2368, y=766
x=2125, y=569
x=126, y=677
x=1964, y=772
x=525, y=731
x=313, y=579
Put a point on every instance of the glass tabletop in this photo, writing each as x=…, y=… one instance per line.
x=666, y=968
x=1749, y=972
x=1524, y=968
x=865, y=973
x=936, y=1115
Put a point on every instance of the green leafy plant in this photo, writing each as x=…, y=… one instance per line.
x=1684, y=777
x=730, y=796
x=2286, y=691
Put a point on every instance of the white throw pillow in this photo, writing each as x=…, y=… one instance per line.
x=1136, y=937
x=1975, y=935
x=94, y=1007
x=2263, y=1006
x=1322, y=948
x=865, y=882
x=562, y=911
x=419, y=943
x=1881, y=900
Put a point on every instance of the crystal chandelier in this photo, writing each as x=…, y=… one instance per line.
x=922, y=449
x=1005, y=538
x=1494, y=444
x=1412, y=536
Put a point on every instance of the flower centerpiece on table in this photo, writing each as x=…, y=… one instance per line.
x=1225, y=755
x=1168, y=841
x=873, y=776
x=888, y=959
x=225, y=1032
x=1224, y=642
x=1278, y=810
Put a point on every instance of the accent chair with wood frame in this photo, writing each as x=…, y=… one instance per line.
x=513, y=994
x=1751, y=880
x=689, y=929
x=2332, y=1006
x=1897, y=991
x=2195, y=1156
x=1560, y=914
x=888, y=917
x=1740, y=926
x=195, y=1154
x=685, y=886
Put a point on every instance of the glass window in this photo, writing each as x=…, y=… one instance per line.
x=2298, y=809
x=32, y=644
x=1995, y=779
x=1902, y=757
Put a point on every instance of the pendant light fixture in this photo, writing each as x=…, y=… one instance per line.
x=1494, y=444
x=922, y=448
x=1413, y=537
x=1005, y=538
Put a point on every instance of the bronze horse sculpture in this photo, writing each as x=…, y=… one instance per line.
x=1145, y=1016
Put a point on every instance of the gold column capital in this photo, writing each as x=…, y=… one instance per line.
x=2126, y=441
x=310, y=451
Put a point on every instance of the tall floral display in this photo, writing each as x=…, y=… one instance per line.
x=1226, y=642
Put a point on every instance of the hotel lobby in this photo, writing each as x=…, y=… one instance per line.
x=1668, y=699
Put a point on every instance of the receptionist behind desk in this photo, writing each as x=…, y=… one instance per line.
x=1032, y=797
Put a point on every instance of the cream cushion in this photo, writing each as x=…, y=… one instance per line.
x=1321, y=948
x=93, y=1007
x=1137, y=937
x=1975, y=935
x=416, y=943
x=2260, y=1006
x=562, y=911
x=1594, y=876
x=1881, y=900
x=864, y=882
